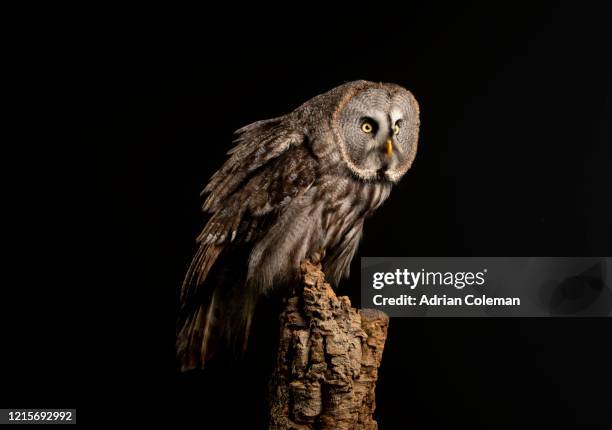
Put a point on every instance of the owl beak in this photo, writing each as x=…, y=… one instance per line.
x=389, y=149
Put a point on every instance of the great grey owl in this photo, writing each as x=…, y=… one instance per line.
x=295, y=187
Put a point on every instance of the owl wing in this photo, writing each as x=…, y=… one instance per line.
x=268, y=168
x=257, y=144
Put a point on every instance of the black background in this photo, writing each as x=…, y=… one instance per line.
x=514, y=160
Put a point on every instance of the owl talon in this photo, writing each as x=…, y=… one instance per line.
x=317, y=256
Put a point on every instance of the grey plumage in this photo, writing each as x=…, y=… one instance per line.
x=297, y=186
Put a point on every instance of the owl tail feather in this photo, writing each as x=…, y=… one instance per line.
x=215, y=317
x=222, y=324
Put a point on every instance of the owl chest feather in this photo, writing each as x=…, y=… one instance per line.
x=329, y=218
x=345, y=210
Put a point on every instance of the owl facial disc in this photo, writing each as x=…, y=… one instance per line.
x=378, y=131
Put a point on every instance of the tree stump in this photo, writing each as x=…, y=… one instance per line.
x=328, y=359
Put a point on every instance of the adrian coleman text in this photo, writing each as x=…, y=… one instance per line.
x=435, y=300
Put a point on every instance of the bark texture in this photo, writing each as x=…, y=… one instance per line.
x=328, y=359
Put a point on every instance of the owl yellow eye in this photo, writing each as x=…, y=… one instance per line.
x=366, y=127
x=396, y=129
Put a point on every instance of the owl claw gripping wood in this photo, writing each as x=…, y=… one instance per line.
x=293, y=186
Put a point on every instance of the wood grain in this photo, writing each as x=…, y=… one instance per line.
x=328, y=359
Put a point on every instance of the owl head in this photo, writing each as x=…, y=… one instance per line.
x=376, y=126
